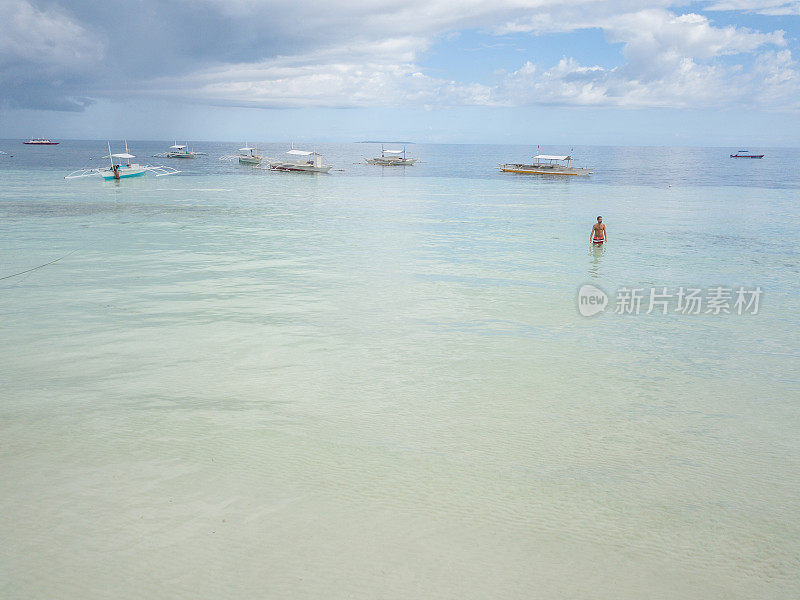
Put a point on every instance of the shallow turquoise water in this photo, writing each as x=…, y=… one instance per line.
x=245, y=384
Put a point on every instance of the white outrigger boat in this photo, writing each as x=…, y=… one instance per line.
x=546, y=164
x=121, y=167
x=306, y=161
x=249, y=156
x=179, y=151
x=394, y=158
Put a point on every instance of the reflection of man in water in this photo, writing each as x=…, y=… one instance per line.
x=598, y=234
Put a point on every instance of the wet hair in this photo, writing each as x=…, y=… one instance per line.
x=598, y=218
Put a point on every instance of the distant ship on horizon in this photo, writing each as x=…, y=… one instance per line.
x=746, y=154
x=40, y=142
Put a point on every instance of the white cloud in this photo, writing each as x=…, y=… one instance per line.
x=569, y=83
x=670, y=61
x=356, y=75
x=773, y=83
x=659, y=32
x=765, y=7
x=776, y=79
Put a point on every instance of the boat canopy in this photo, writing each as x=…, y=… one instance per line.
x=549, y=157
x=123, y=155
x=394, y=151
x=246, y=149
x=178, y=147
x=300, y=152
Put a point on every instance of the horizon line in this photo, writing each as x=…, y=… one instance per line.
x=20, y=139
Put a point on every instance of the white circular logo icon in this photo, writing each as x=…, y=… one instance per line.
x=591, y=300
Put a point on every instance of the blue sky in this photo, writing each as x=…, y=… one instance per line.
x=644, y=72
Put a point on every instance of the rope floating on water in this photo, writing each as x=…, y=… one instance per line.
x=39, y=267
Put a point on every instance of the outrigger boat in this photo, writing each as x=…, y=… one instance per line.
x=393, y=160
x=249, y=156
x=306, y=161
x=546, y=164
x=40, y=142
x=179, y=151
x=744, y=154
x=121, y=167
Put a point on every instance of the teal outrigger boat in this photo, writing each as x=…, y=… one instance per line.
x=121, y=167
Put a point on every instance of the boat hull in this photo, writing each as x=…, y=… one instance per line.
x=747, y=156
x=180, y=155
x=391, y=162
x=124, y=172
x=545, y=170
x=299, y=168
x=249, y=160
x=41, y=143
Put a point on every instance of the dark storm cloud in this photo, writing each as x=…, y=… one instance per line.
x=55, y=55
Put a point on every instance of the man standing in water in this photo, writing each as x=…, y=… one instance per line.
x=598, y=234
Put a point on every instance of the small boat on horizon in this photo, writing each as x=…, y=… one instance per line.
x=307, y=161
x=393, y=160
x=746, y=154
x=546, y=164
x=40, y=142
